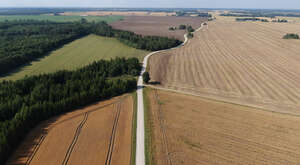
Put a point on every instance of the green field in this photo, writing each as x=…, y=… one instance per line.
x=78, y=54
x=53, y=18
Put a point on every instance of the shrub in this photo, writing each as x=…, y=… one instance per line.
x=146, y=77
x=190, y=35
x=291, y=36
x=182, y=27
x=190, y=29
x=172, y=28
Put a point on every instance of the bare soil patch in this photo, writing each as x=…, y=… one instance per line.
x=159, y=26
x=96, y=134
x=191, y=130
x=243, y=63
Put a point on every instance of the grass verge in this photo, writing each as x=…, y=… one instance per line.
x=148, y=128
x=134, y=126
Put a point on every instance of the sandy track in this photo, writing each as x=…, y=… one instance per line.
x=81, y=137
x=201, y=131
x=243, y=63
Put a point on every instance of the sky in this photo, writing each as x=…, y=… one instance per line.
x=266, y=4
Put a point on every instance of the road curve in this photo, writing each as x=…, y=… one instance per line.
x=140, y=131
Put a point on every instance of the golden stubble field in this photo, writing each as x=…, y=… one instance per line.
x=192, y=130
x=243, y=63
x=97, y=134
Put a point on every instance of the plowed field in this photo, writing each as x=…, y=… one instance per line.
x=194, y=131
x=243, y=63
x=97, y=134
x=156, y=25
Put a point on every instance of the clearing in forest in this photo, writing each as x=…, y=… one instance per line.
x=77, y=54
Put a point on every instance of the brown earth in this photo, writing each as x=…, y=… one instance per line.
x=243, y=63
x=158, y=26
x=97, y=134
x=192, y=130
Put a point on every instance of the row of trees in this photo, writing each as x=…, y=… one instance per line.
x=25, y=103
x=23, y=41
x=251, y=19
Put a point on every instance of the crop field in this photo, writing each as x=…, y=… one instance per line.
x=243, y=63
x=192, y=130
x=96, y=134
x=53, y=18
x=76, y=54
x=159, y=26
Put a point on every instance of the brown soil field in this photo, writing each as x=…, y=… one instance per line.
x=97, y=134
x=192, y=130
x=243, y=63
x=133, y=13
x=159, y=26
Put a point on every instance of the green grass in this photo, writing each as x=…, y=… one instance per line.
x=108, y=19
x=78, y=54
x=148, y=128
x=134, y=127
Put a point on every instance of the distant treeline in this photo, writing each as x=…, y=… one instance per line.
x=39, y=11
x=24, y=41
x=189, y=13
x=251, y=19
x=262, y=20
x=270, y=15
x=25, y=103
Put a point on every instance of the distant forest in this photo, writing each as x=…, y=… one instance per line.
x=261, y=14
x=24, y=103
x=26, y=40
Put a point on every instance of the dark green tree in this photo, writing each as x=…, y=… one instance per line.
x=146, y=77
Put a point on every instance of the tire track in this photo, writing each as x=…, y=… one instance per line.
x=35, y=150
x=113, y=135
x=74, y=141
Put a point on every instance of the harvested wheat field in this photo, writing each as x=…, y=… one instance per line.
x=195, y=131
x=97, y=134
x=243, y=63
x=158, y=26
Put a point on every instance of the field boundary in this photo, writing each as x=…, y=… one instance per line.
x=220, y=100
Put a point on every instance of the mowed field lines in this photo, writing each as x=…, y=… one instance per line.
x=243, y=63
x=97, y=134
x=195, y=131
x=78, y=54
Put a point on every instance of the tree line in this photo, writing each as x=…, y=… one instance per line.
x=26, y=40
x=24, y=103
